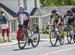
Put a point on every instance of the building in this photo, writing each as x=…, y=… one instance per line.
x=38, y=14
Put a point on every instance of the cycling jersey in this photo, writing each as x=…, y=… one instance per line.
x=55, y=19
x=74, y=17
x=24, y=18
x=70, y=19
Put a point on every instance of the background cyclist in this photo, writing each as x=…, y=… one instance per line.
x=68, y=17
x=56, y=19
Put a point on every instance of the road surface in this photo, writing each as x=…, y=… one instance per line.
x=44, y=48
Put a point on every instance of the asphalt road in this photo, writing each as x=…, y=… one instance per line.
x=44, y=48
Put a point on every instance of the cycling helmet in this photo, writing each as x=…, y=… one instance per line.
x=73, y=9
x=54, y=11
x=69, y=13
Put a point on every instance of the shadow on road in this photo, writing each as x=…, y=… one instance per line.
x=54, y=46
x=59, y=45
x=68, y=44
x=22, y=49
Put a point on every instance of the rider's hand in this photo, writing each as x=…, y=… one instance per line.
x=20, y=25
x=50, y=24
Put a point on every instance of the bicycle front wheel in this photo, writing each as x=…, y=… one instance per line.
x=53, y=38
x=22, y=43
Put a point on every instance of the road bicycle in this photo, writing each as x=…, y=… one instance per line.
x=33, y=38
x=55, y=36
x=70, y=36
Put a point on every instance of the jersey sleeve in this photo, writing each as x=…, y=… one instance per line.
x=51, y=16
x=18, y=13
x=27, y=14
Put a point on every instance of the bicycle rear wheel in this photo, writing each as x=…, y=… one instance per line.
x=61, y=40
x=69, y=38
x=35, y=39
x=53, y=38
x=22, y=43
x=74, y=39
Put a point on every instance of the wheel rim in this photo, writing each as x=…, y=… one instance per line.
x=35, y=39
x=53, y=38
x=69, y=38
x=62, y=41
x=74, y=39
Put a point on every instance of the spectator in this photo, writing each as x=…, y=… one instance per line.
x=4, y=26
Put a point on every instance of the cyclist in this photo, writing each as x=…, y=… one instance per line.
x=24, y=19
x=56, y=19
x=72, y=33
x=73, y=10
x=69, y=17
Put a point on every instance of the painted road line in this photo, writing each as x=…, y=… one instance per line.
x=58, y=51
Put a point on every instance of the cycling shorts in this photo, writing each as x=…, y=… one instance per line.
x=70, y=21
x=25, y=23
x=56, y=21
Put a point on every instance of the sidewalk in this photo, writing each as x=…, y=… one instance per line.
x=14, y=41
x=8, y=43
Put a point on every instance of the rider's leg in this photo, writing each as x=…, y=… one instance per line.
x=74, y=31
x=60, y=30
x=3, y=32
x=8, y=34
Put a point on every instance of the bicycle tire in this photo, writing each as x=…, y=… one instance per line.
x=34, y=39
x=36, y=32
x=61, y=40
x=25, y=41
x=51, y=38
x=69, y=38
x=74, y=39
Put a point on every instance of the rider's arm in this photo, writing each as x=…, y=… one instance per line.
x=30, y=21
x=18, y=18
x=50, y=19
x=49, y=22
x=59, y=21
x=64, y=16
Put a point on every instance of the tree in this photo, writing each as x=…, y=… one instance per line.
x=57, y=2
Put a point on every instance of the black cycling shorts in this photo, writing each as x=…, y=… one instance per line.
x=56, y=21
x=70, y=21
x=25, y=23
